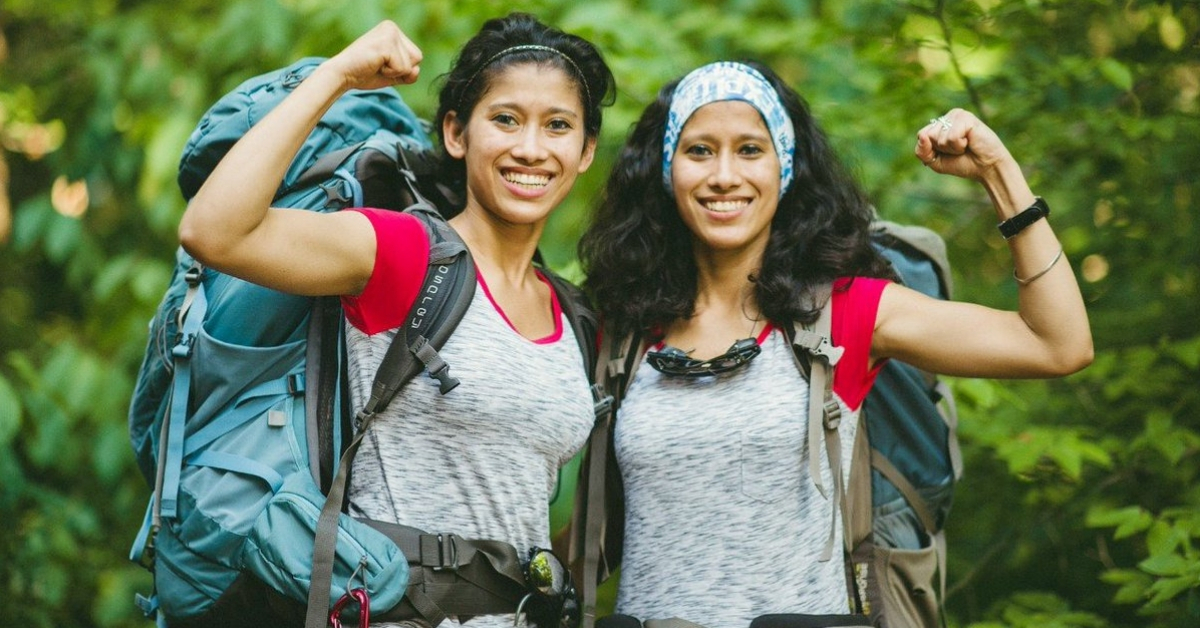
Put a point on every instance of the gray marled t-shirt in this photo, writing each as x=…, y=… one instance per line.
x=481, y=461
x=723, y=522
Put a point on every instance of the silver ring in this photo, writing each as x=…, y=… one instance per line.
x=942, y=121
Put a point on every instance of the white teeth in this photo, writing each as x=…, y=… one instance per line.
x=725, y=206
x=529, y=180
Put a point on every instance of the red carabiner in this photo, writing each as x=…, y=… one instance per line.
x=364, y=608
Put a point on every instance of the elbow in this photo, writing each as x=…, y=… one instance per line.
x=1076, y=359
x=197, y=240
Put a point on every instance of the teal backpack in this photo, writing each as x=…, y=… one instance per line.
x=240, y=419
x=905, y=465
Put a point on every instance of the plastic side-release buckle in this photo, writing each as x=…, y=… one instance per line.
x=602, y=403
x=819, y=345
x=147, y=605
x=434, y=364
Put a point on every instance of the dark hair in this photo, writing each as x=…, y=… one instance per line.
x=483, y=58
x=637, y=252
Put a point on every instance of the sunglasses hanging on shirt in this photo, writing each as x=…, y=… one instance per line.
x=677, y=363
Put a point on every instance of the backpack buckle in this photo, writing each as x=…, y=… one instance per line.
x=434, y=364
x=147, y=605
x=818, y=345
x=446, y=383
x=183, y=345
x=602, y=404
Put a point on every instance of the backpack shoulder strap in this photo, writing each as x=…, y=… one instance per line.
x=597, y=522
x=932, y=247
x=580, y=316
x=444, y=297
x=816, y=356
x=921, y=239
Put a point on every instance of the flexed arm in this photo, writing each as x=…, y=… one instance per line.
x=229, y=225
x=1049, y=334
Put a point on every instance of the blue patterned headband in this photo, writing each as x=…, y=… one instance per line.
x=725, y=80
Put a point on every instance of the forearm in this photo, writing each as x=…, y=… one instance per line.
x=1049, y=299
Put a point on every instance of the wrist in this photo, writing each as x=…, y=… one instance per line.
x=329, y=78
x=1008, y=189
x=1017, y=223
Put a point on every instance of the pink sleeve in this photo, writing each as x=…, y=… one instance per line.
x=401, y=257
x=855, y=304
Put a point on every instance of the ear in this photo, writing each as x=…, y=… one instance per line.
x=454, y=135
x=589, y=153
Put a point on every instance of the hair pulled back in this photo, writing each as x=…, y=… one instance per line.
x=637, y=252
x=486, y=55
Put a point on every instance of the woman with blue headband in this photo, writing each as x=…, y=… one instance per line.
x=728, y=216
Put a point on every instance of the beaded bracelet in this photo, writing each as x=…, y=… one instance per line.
x=1025, y=282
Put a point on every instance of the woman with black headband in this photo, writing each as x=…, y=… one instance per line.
x=518, y=118
x=728, y=217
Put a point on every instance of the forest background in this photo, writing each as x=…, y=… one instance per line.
x=1080, y=505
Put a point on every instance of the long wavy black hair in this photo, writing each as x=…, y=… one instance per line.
x=638, y=255
x=483, y=58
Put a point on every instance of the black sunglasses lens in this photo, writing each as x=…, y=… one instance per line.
x=672, y=361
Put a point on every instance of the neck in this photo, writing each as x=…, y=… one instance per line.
x=723, y=280
x=503, y=251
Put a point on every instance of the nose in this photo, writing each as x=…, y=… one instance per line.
x=725, y=174
x=529, y=147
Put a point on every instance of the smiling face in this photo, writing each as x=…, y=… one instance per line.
x=725, y=178
x=524, y=144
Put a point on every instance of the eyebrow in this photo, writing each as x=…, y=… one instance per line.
x=709, y=137
x=559, y=111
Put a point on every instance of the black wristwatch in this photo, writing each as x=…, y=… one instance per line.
x=1030, y=215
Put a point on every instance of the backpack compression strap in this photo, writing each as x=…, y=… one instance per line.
x=190, y=319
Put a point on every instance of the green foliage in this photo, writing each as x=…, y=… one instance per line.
x=1080, y=500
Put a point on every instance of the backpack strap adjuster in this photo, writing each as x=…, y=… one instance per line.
x=194, y=275
x=439, y=551
x=833, y=414
x=183, y=345
x=602, y=404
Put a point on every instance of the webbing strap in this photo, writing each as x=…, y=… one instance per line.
x=594, y=520
x=142, y=542
x=325, y=538
x=445, y=296
x=441, y=564
x=250, y=406
x=670, y=622
x=881, y=463
x=939, y=548
x=616, y=364
x=238, y=464
x=824, y=414
x=949, y=411
x=191, y=319
x=594, y=526
x=325, y=167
